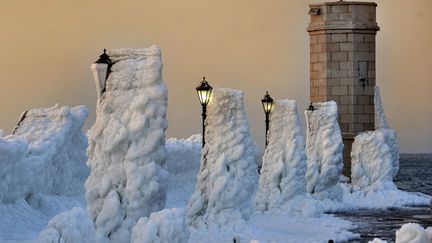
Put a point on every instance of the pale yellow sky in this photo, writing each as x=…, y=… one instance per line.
x=47, y=47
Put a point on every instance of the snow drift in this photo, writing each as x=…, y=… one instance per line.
x=126, y=150
x=71, y=226
x=228, y=174
x=44, y=155
x=323, y=150
x=166, y=226
x=284, y=162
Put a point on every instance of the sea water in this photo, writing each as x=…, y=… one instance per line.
x=415, y=175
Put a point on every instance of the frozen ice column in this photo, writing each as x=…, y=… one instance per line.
x=380, y=117
x=45, y=154
x=284, y=164
x=126, y=150
x=228, y=175
x=375, y=160
x=323, y=150
x=375, y=155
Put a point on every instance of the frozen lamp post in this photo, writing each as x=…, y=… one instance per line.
x=204, y=91
x=101, y=70
x=267, y=103
x=311, y=108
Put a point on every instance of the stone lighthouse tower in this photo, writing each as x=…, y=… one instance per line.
x=342, y=64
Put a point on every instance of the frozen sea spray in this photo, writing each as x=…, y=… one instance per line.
x=126, y=150
x=45, y=154
x=228, y=176
x=284, y=163
x=324, y=149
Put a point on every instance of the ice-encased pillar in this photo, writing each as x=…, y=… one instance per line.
x=228, y=175
x=324, y=149
x=126, y=150
x=342, y=64
x=284, y=162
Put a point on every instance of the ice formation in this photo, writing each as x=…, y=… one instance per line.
x=284, y=163
x=166, y=226
x=183, y=162
x=44, y=155
x=126, y=150
x=380, y=117
x=411, y=233
x=374, y=160
x=428, y=232
x=376, y=240
x=228, y=176
x=71, y=226
x=323, y=150
x=375, y=154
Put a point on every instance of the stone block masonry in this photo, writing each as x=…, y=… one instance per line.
x=342, y=61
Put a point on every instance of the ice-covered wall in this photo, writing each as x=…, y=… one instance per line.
x=374, y=160
x=126, y=150
x=165, y=226
x=71, y=226
x=228, y=175
x=45, y=154
x=323, y=151
x=380, y=117
x=284, y=163
x=183, y=162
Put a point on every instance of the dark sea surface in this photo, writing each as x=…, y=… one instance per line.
x=415, y=175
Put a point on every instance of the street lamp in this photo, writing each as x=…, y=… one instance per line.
x=311, y=107
x=204, y=91
x=101, y=69
x=267, y=103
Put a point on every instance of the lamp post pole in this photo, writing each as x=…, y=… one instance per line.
x=204, y=91
x=267, y=123
x=267, y=103
x=204, y=116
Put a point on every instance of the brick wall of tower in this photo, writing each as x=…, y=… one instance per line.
x=342, y=63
